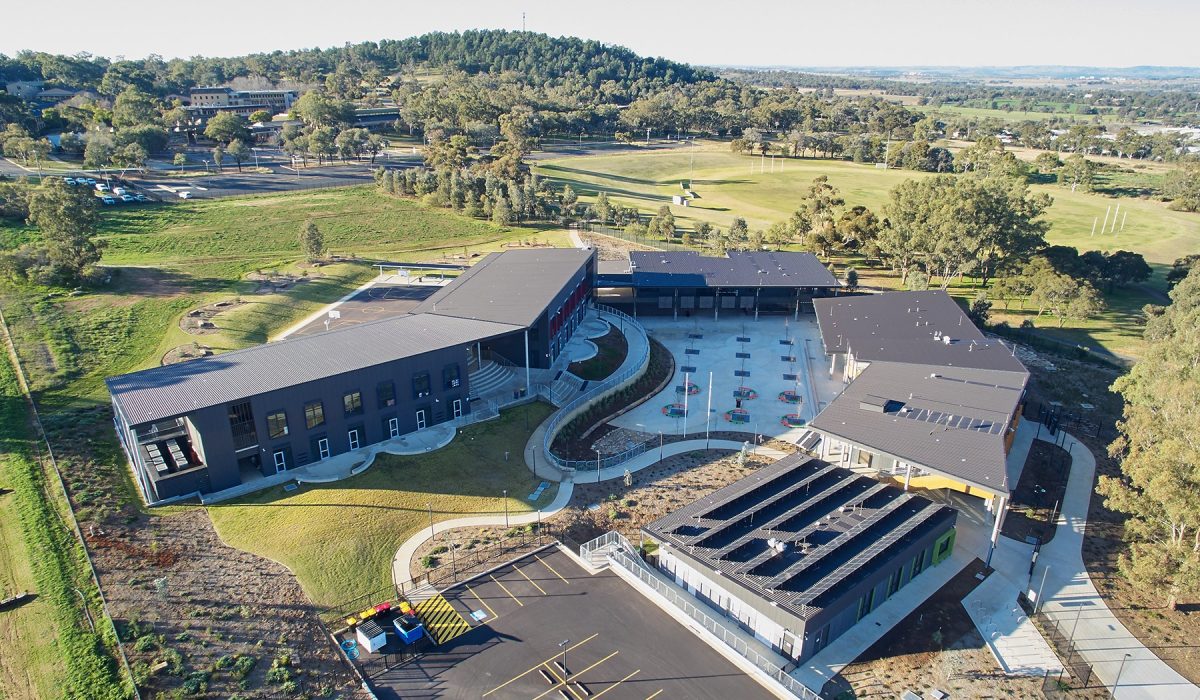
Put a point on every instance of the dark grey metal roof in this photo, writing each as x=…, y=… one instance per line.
x=512, y=287
x=837, y=527
x=952, y=420
x=738, y=269
x=925, y=327
x=174, y=390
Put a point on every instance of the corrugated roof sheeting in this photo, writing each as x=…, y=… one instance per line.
x=737, y=269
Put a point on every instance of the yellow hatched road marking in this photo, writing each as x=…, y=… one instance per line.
x=537, y=666
x=551, y=569
x=510, y=595
x=614, y=685
x=533, y=582
x=576, y=676
x=441, y=619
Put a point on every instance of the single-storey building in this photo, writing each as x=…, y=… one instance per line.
x=217, y=422
x=685, y=283
x=800, y=551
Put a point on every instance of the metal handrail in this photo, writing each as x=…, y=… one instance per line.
x=603, y=388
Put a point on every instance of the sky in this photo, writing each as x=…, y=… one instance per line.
x=703, y=32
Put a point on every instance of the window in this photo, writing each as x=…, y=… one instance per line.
x=421, y=386
x=353, y=403
x=450, y=377
x=314, y=414
x=918, y=564
x=387, y=394
x=277, y=425
x=241, y=422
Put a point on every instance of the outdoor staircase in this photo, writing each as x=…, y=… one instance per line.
x=420, y=594
x=491, y=377
x=565, y=388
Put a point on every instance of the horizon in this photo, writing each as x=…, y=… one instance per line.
x=696, y=38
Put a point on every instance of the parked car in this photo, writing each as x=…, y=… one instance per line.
x=101, y=187
x=118, y=190
x=141, y=198
x=127, y=198
x=69, y=180
x=184, y=194
x=89, y=180
x=108, y=200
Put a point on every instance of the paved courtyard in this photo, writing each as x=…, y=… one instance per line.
x=770, y=356
x=386, y=299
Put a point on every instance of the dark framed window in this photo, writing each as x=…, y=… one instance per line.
x=352, y=402
x=241, y=422
x=421, y=385
x=277, y=425
x=314, y=414
x=387, y=394
x=451, y=378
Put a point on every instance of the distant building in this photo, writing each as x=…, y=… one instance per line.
x=799, y=552
x=25, y=89
x=208, y=101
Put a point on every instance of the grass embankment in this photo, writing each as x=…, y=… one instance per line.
x=49, y=650
x=730, y=185
x=339, y=539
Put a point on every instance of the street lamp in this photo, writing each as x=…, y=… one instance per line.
x=1120, y=670
x=597, y=466
x=563, y=645
x=430, y=507
x=660, y=445
x=505, y=492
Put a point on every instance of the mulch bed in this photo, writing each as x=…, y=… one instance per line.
x=1039, y=493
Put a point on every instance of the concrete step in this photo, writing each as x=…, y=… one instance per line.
x=420, y=594
x=490, y=377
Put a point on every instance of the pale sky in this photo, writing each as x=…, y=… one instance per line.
x=706, y=32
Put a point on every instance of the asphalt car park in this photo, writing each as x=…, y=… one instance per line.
x=543, y=627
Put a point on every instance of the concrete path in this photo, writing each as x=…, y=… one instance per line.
x=404, y=555
x=1069, y=595
x=842, y=651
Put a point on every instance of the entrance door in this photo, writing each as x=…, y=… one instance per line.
x=787, y=644
x=421, y=419
x=458, y=408
x=394, y=427
x=280, y=461
x=353, y=434
x=323, y=448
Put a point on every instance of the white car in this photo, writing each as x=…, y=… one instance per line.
x=127, y=198
x=101, y=187
x=184, y=194
x=118, y=190
x=69, y=180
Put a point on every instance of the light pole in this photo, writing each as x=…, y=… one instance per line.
x=563, y=645
x=505, y=492
x=430, y=507
x=660, y=445
x=597, y=466
x=1120, y=670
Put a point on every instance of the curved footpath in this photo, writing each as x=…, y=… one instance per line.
x=403, y=558
x=1069, y=594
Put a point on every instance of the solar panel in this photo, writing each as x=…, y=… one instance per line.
x=789, y=377
x=743, y=356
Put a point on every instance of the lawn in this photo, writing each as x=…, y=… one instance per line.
x=730, y=185
x=1016, y=115
x=339, y=539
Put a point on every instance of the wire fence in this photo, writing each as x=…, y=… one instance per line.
x=1060, y=633
x=620, y=555
x=639, y=239
x=560, y=417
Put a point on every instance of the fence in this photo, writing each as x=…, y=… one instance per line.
x=464, y=563
x=1064, y=647
x=718, y=630
x=560, y=416
x=655, y=243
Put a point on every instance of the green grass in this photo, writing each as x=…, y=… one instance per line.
x=339, y=539
x=49, y=651
x=1061, y=111
x=728, y=188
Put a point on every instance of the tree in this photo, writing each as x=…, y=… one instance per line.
x=322, y=142
x=850, y=277
x=375, y=144
x=814, y=222
x=133, y=155
x=569, y=199
x=1182, y=187
x=1047, y=163
x=225, y=127
x=602, y=207
x=1181, y=268
x=99, y=151
x=151, y=137
x=66, y=217
x=1061, y=295
x=857, y=229
x=453, y=152
x=316, y=109
x=1124, y=268
x=180, y=159
x=134, y=107
x=981, y=308
x=238, y=151
x=1077, y=171
x=1159, y=485
x=218, y=154
x=261, y=116
x=312, y=241
x=501, y=212
x=739, y=233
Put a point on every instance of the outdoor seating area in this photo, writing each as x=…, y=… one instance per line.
x=371, y=630
x=674, y=410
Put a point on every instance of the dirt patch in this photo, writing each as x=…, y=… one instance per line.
x=609, y=248
x=202, y=321
x=129, y=285
x=273, y=283
x=595, y=509
x=1039, y=494
x=611, y=350
x=188, y=607
x=936, y=647
x=183, y=353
